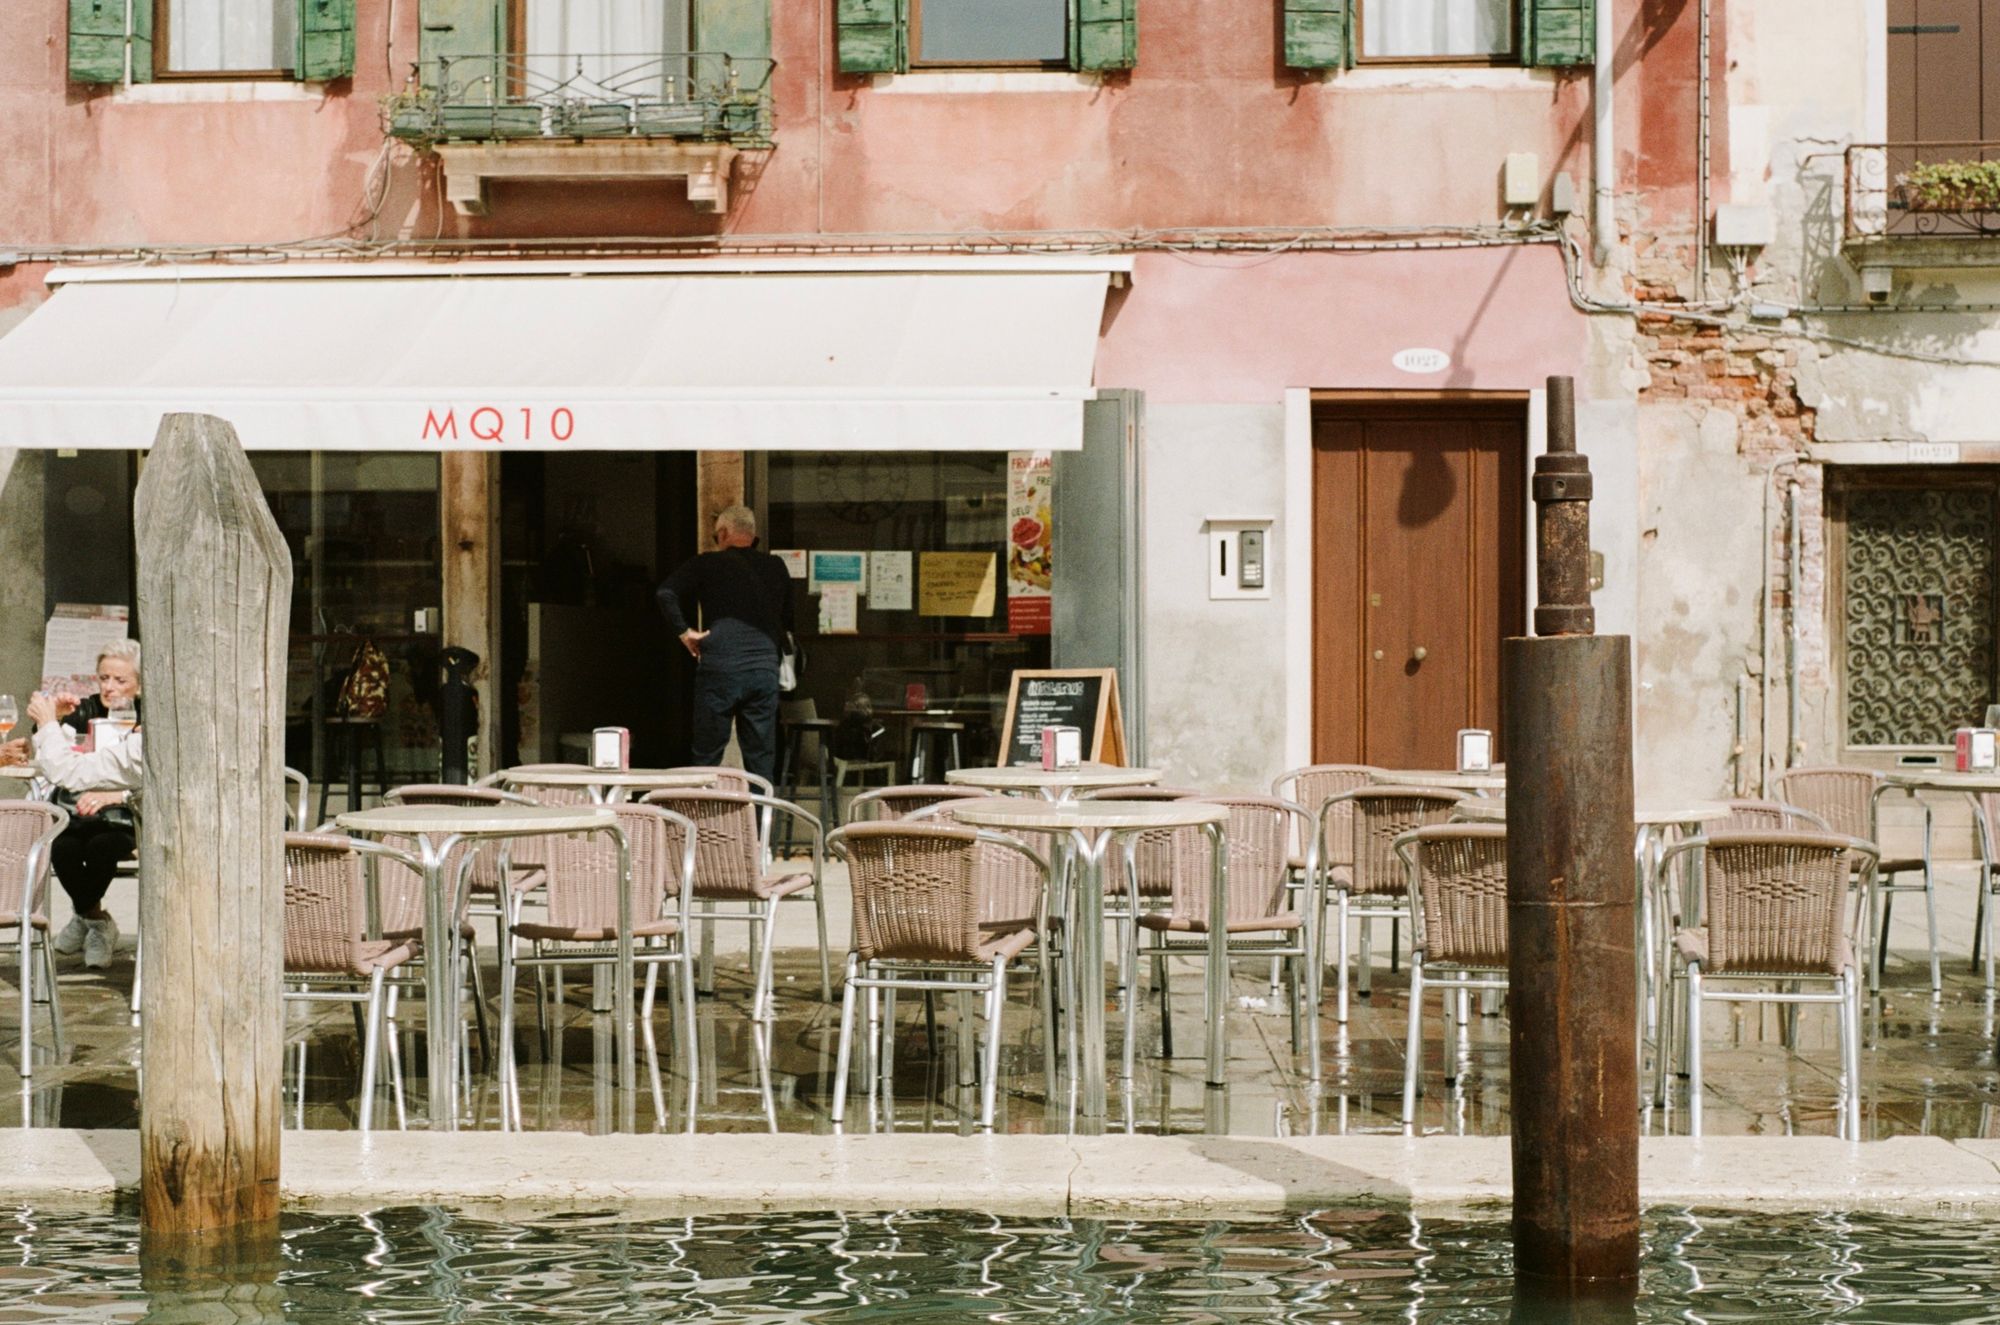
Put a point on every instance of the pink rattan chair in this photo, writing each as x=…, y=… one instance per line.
x=885, y=803
x=27, y=828
x=329, y=955
x=1774, y=910
x=1848, y=802
x=1260, y=833
x=590, y=908
x=1457, y=876
x=1375, y=885
x=734, y=881
x=925, y=919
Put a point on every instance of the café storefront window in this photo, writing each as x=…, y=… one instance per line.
x=953, y=588
x=362, y=528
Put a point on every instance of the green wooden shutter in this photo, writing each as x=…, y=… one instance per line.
x=326, y=39
x=740, y=29
x=872, y=36
x=1316, y=34
x=97, y=40
x=1558, y=32
x=1103, y=34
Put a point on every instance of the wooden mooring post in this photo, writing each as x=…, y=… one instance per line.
x=1571, y=909
x=215, y=591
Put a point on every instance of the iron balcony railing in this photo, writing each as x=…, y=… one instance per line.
x=701, y=95
x=1896, y=190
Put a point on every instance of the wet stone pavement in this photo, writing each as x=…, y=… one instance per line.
x=1928, y=1066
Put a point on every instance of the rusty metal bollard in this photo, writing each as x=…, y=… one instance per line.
x=1571, y=912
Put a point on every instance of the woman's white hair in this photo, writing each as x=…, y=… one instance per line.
x=126, y=650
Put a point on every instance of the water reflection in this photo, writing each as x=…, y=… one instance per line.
x=1348, y=1264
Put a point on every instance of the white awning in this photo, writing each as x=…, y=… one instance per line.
x=989, y=354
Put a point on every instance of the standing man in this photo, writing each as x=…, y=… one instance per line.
x=745, y=600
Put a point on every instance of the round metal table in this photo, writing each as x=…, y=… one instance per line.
x=1479, y=783
x=436, y=829
x=1053, y=784
x=610, y=785
x=1084, y=829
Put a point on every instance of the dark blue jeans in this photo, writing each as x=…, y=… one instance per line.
x=749, y=696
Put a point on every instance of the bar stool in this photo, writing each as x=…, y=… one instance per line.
x=351, y=732
x=939, y=738
x=791, y=760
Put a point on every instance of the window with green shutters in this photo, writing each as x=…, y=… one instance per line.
x=1333, y=34
x=892, y=36
x=304, y=39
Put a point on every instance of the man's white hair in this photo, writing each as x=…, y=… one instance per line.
x=740, y=519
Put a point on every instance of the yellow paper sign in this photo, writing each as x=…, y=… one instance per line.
x=956, y=583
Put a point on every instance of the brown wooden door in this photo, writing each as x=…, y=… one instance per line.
x=1418, y=562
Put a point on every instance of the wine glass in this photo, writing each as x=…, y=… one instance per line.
x=9, y=715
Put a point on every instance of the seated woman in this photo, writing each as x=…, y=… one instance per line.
x=97, y=790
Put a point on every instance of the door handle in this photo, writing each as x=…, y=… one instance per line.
x=1378, y=655
x=1420, y=653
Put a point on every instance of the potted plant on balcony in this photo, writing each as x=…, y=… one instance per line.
x=1950, y=186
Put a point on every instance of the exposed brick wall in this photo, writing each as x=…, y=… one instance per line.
x=1749, y=373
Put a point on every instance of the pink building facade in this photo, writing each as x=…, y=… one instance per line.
x=1332, y=295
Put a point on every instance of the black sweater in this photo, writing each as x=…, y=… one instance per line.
x=738, y=583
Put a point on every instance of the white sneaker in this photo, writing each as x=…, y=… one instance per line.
x=100, y=940
x=69, y=940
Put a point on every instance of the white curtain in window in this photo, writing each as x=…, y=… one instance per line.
x=606, y=40
x=208, y=36
x=1437, y=28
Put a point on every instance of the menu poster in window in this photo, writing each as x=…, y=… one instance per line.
x=77, y=634
x=1030, y=545
x=839, y=609
x=795, y=562
x=1082, y=697
x=848, y=568
x=889, y=575
x=956, y=583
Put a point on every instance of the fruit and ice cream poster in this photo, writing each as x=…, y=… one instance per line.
x=1030, y=547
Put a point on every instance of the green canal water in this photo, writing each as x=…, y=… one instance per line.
x=1350, y=1264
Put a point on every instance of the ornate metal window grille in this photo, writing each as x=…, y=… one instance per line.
x=1918, y=611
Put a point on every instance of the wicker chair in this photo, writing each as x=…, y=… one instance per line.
x=590, y=909
x=734, y=881
x=1774, y=909
x=925, y=918
x=329, y=956
x=27, y=829
x=1375, y=885
x=1752, y=815
x=885, y=803
x=1458, y=932
x=1260, y=832
x=1986, y=815
x=741, y=781
x=1313, y=786
x=1848, y=801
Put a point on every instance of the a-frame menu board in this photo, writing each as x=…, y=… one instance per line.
x=1082, y=697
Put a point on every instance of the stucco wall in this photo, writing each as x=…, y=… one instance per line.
x=1215, y=671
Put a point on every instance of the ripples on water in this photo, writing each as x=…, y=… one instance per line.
x=425, y=1265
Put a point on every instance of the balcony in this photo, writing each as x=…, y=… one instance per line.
x=1929, y=205
x=587, y=117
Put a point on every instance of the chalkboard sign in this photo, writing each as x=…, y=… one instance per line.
x=1082, y=697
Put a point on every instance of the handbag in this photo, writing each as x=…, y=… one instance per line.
x=365, y=692
x=118, y=816
x=789, y=661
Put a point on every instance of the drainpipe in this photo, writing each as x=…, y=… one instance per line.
x=1604, y=159
x=1764, y=629
x=128, y=43
x=1701, y=154
x=1793, y=581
